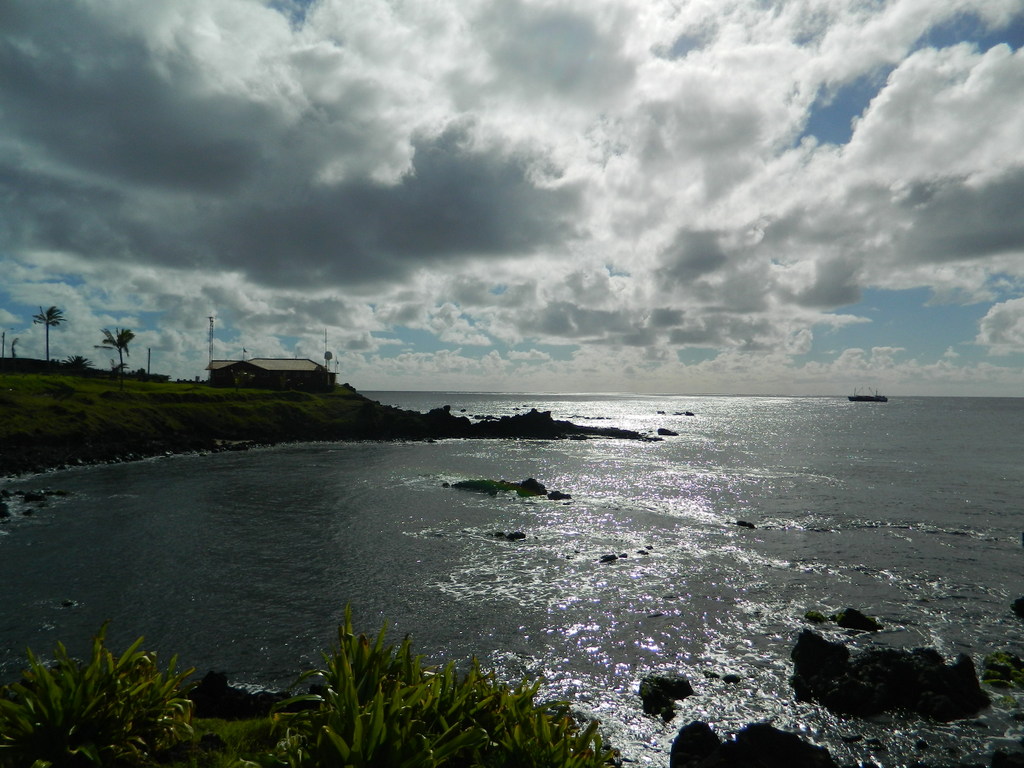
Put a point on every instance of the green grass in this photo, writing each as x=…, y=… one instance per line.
x=225, y=744
x=49, y=420
x=34, y=406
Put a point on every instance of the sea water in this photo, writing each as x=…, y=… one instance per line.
x=244, y=562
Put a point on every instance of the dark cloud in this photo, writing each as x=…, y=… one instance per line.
x=959, y=219
x=718, y=329
x=836, y=284
x=456, y=202
x=692, y=255
x=43, y=211
x=566, y=320
x=666, y=318
x=91, y=96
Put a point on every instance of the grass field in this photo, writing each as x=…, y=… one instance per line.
x=48, y=420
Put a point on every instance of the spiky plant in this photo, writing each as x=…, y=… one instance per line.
x=110, y=710
x=379, y=705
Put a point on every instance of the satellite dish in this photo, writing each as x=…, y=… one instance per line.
x=328, y=356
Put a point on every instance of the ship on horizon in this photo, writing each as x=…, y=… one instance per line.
x=856, y=397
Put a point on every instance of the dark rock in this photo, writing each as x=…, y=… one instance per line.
x=558, y=495
x=851, y=618
x=515, y=536
x=667, y=432
x=4, y=510
x=694, y=744
x=533, y=486
x=1005, y=760
x=884, y=679
x=756, y=746
x=1018, y=607
x=213, y=697
x=745, y=524
x=731, y=679
x=609, y=558
x=658, y=692
x=33, y=496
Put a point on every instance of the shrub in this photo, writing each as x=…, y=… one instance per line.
x=108, y=711
x=380, y=706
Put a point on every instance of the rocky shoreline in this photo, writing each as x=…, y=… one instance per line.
x=868, y=683
x=825, y=673
x=371, y=421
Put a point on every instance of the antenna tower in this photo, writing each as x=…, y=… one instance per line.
x=211, y=319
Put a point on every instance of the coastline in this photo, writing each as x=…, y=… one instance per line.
x=446, y=418
x=54, y=422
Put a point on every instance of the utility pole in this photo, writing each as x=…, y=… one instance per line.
x=211, y=338
x=149, y=359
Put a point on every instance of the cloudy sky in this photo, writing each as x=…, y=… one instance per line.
x=744, y=196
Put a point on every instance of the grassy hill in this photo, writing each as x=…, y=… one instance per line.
x=50, y=420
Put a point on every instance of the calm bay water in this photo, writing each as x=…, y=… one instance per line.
x=244, y=562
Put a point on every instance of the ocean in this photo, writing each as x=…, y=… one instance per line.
x=244, y=562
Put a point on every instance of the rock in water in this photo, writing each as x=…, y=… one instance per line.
x=756, y=746
x=658, y=692
x=532, y=485
x=1018, y=607
x=213, y=697
x=851, y=618
x=693, y=745
x=882, y=679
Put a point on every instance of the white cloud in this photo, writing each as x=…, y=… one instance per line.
x=1002, y=328
x=616, y=178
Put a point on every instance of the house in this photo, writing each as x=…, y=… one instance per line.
x=271, y=373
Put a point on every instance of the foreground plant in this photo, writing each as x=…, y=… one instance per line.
x=111, y=710
x=379, y=706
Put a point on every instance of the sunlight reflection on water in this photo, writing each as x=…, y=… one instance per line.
x=277, y=542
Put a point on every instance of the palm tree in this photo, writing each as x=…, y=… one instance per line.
x=118, y=340
x=50, y=318
x=77, y=363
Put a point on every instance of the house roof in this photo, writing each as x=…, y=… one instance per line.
x=285, y=364
x=269, y=364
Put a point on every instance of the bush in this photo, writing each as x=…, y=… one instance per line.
x=108, y=711
x=380, y=706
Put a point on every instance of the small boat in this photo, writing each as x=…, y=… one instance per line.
x=856, y=397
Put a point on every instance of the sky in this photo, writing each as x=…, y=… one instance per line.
x=654, y=196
